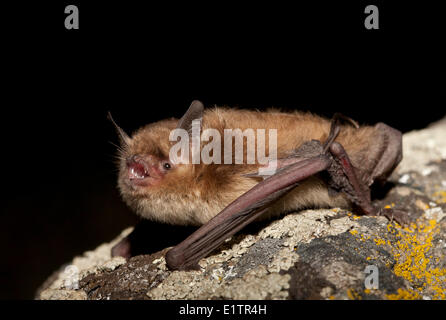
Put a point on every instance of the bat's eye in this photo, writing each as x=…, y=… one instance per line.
x=167, y=166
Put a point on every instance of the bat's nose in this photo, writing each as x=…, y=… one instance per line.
x=135, y=158
x=146, y=160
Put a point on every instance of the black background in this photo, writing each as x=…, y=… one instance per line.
x=145, y=62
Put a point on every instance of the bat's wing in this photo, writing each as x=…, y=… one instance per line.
x=243, y=211
x=311, y=158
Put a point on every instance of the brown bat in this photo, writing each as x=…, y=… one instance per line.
x=320, y=164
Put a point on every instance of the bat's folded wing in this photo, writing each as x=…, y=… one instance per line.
x=242, y=211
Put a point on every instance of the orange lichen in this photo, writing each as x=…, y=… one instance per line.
x=353, y=295
x=411, y=252
x=379, y=241
x=390, y=206
x=410, y=247
x=404, y=295
x=439, y=196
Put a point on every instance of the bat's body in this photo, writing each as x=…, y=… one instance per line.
x=193, y=194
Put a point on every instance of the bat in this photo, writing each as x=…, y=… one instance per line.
x=318, y=163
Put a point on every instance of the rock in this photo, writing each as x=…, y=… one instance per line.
x=91, y=262
x=63, y=294
x=313, y=254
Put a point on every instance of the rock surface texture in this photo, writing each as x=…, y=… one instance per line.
x=313, y=254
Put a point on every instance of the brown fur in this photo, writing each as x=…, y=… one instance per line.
x=193, y=194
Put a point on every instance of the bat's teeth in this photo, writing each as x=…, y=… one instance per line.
x=135, y=174
x=137, y=171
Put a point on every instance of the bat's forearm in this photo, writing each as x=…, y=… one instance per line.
x=241, y=212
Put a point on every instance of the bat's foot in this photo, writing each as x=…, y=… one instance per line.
x=122, y=249
x=399, y=216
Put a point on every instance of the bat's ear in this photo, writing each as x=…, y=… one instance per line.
x=123, y=137
x=195, y=112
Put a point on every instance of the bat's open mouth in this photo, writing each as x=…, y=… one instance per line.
x=137, y=172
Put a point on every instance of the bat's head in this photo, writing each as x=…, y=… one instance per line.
x=154, y=186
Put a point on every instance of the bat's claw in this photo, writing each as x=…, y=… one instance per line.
x=399, y=216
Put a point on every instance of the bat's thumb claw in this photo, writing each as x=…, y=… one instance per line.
x=175, y=261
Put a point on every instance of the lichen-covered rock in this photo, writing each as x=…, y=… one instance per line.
x=314, y=254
